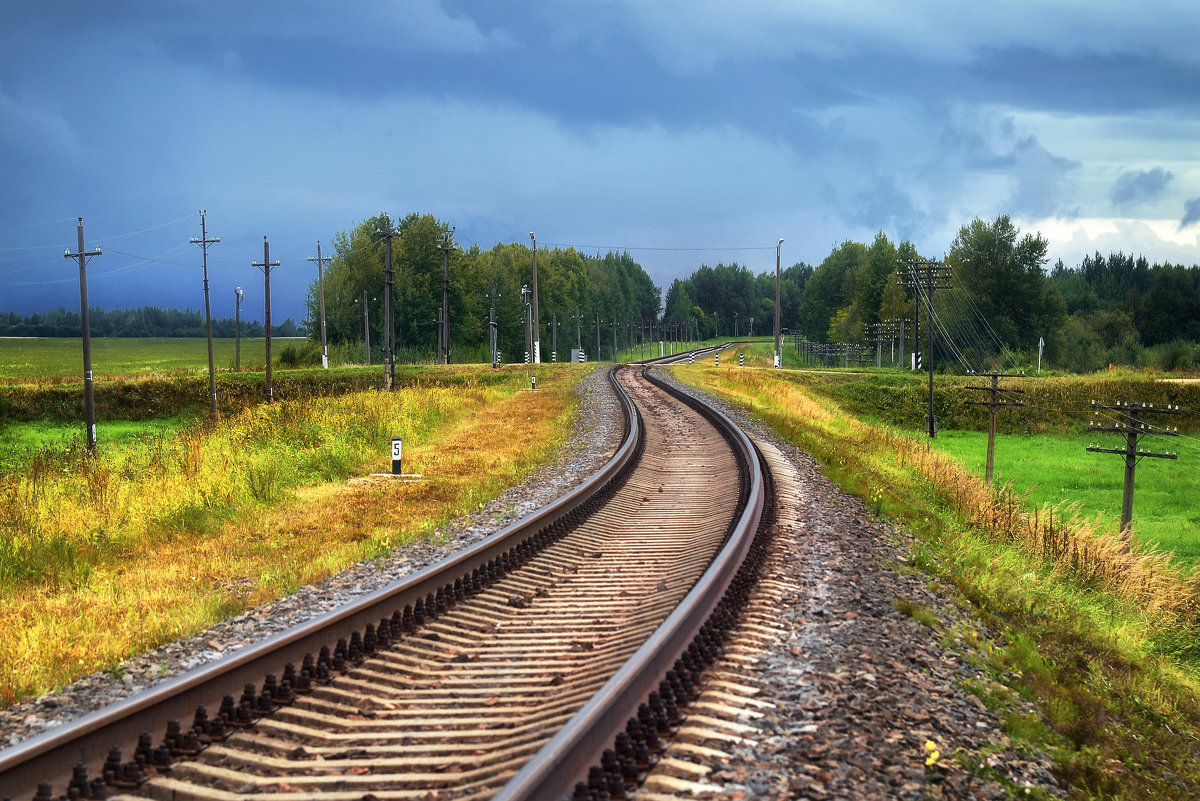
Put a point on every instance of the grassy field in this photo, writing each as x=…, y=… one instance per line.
x=1100, y=639
x=1057, y=470
x=166, y=531
x=32, y=358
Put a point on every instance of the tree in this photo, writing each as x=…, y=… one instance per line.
x=1004, y=276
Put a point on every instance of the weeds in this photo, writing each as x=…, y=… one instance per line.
x=102, y=556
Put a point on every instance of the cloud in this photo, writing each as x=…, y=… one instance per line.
x=1191, y=213
x=1135, y=186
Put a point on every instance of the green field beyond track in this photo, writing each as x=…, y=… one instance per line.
x=1058, y=469
x=28, y=358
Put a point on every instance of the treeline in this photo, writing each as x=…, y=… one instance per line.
x=574, y=286
x=729, y=299
x=992, y=310
x=858, y=286
x=147, y=321
x=1125, y=311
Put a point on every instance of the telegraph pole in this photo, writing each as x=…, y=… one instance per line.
x=778, y=352
x=1132, y=426
x=492, y=327
x=537, y=336
x=554, y=339
x=446, y=247
x=89, y=399
x=367, y=330
x=525, y=313
x=238, y=297
x=204, y=242
x=266, y=266
x=321, y=262
x=994, y=404
x=933, y=274
x=389, y=328
x=614, y=325
x=597, y=336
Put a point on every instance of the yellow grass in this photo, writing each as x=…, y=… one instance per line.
x=883, y=455
x=171, y=537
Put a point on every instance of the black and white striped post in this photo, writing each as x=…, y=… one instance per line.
x=691, y=358
x=718, y=364
x=741, y=360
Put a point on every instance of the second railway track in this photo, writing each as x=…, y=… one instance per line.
x=466, y=688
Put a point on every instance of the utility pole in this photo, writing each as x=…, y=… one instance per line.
x=933, y=275
x=492, y=326
x=528, y=333
x=1134, y=429
x=994, y=404
x=554, y=339
x=778, y=352
x=614, y=325
x=204, y=242
x=597, y=336
x=389, y=328
x=89, y=399
x=266, y=266
x=366, y=329
x=578, y=330
x=537, y=336
x=321, y=262
x=735, y=325
x=238, y=297
x=446, y=247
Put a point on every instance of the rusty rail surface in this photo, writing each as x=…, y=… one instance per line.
x=48, y=759
x=577, y=752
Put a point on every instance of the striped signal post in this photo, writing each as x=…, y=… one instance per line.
x=741, y=360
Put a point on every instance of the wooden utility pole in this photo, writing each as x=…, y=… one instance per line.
x=238, y=297
x=934, y=276
x=1131, y=425
x=444, y=332
x=554, y=338
x=321, y=262
x=204, y=242
x=389, y=326
x=367, y=329
x=266, y=266
x=492, y=325
x=994, y=404
x=89, y=399
x=537, y=326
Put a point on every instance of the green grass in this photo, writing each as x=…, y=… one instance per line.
x=26, y=358
x=1054, y=470
x=19, y=440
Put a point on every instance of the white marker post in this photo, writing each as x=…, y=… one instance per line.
x=1041, y=344
x=397, y=449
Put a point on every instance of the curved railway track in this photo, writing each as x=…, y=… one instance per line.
x=550, y=659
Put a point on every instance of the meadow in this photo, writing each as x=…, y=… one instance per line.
x=25, y=359
x=1089, y=646
x=1050, y=470
x=180, y=523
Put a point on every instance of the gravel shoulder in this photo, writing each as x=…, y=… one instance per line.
x=857, y=688
x=596, y=435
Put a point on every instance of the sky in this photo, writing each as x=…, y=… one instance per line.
x=687, y=132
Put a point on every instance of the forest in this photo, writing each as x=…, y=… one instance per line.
x=994, y=303
x=576, y=289
x=146, y=321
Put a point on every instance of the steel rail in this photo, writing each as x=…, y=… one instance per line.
x=565, y=760
x=51, y=756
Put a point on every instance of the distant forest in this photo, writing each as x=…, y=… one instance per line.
x=147, y=321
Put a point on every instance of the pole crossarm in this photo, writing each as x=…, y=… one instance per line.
x=1133, y=429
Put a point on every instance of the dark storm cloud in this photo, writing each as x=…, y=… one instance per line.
x=1136, y=186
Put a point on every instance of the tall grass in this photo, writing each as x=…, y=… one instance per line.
x=107, y=555
x=1102, y=636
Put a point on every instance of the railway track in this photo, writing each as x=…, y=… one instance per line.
x=551, y=659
